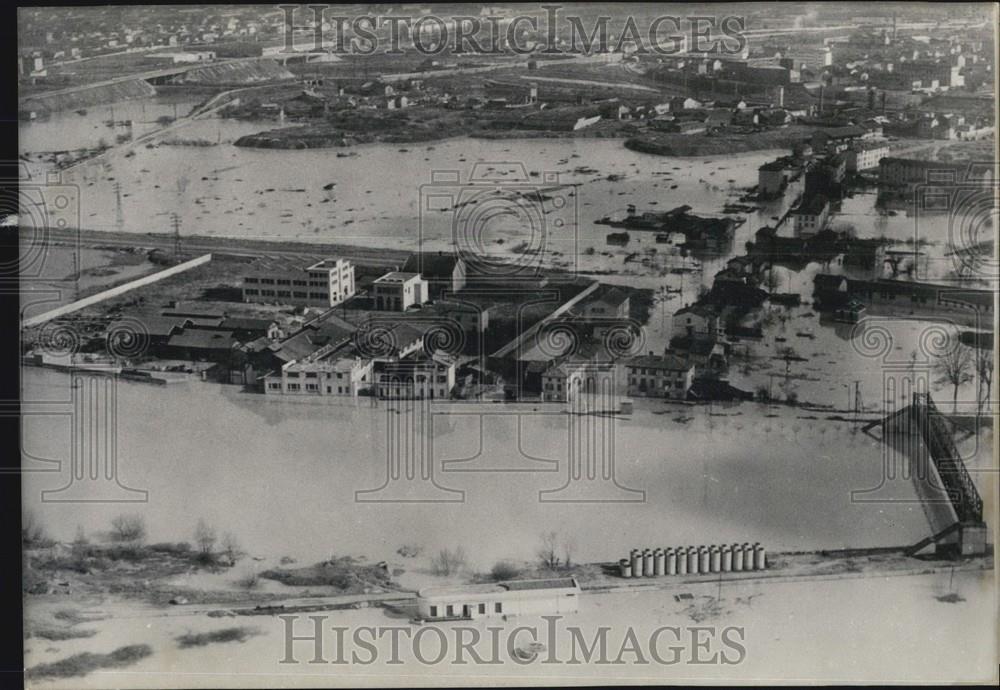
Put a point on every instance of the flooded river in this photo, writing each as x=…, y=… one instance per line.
x=283, y=473
x=284, y=476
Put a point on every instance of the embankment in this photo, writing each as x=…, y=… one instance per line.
x=89, y=97
x=233, y=73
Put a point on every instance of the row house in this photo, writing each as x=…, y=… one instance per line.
x=343, y=374
x=573, y=380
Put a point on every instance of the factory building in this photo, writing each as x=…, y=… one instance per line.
x=324, y=284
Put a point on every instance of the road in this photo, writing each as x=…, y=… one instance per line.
x=231, y=247
x=151, y=74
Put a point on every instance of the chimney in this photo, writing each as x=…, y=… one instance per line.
x=822, y=90
x=781, y=96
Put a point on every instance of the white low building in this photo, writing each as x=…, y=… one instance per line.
x=510, y=598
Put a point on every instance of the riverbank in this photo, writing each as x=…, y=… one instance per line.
x=209, y=578
x=795, y=625
x=687, y=145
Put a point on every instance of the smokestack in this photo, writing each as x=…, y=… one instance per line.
x=781, y=96
x=822, y=91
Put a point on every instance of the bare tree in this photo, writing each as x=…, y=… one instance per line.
x=129, y=528
x=231, y=547
x=984, y=377
x=954, y=367
x=204, y=537
x=448, y=561
x=548, y=550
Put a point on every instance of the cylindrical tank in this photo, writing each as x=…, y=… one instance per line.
x=660, y=562
x=682, y=561
x=747, y=556
x=625, y=567
x=716, y=557
x=636, y=563
x=759, y=557
x=647, y=563
x=671, y=562
x=737, y=557
x=704, y=560
x=692, y=560
x=727, y=559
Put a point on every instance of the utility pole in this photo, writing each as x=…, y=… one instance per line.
x=76, y=276
x=119, y=217
x=176, y=223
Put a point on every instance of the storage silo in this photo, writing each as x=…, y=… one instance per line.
x=671, y=562
x=727, y=558
x=704, y=560
x=636, y=563
x=660, y=562
x=625, y=567
x=759, y=557
x=692, y=556
x=737, y=557
x=682, y=561
x=647, y=563
x=747, y=556
x=716, y=557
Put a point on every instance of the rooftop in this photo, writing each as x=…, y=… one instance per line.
x=811, y=206
x=498, y=587
x=671, y=362
x=203, y=339
x=397, y=277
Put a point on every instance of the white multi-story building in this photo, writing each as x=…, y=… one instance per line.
x=418, y=375
x=811, y=215
x=324, y=284
x=343, y=375
x=661, y=376
x=398, y=291
x=866, y=155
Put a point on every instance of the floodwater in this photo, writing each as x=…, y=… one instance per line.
x=69, y=129
x=282, y=473
x=283, y=476
x=402, y=195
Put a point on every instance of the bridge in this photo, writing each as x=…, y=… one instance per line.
x=922, y=419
